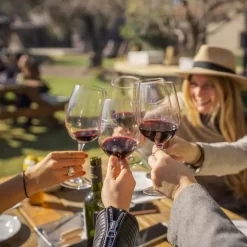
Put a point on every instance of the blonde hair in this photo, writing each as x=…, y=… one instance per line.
x=230, y=115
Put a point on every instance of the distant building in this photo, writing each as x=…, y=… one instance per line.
x=229, y=35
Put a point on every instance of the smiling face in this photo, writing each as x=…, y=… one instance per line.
x=203, y=93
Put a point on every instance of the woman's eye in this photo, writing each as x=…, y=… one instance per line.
x=192, y=84
x=208, y=86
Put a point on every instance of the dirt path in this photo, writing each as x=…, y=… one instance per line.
x=66, y=71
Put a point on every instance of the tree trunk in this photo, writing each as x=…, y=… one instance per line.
x=98, y=34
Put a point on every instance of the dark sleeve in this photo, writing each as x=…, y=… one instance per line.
x=115, y=227
x=197, y=220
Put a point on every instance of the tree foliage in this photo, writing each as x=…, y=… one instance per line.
x=153, y=23
x=186, y=19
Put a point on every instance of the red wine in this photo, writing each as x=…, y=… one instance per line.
x=124, y=119
x=119, y=146
x=85, y=135
x=158, y=131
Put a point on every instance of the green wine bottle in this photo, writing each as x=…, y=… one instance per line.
x=91, y=207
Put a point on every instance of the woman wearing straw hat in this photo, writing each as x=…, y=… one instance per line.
x=211, y=112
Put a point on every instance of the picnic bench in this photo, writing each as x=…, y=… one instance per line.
x=43, y=106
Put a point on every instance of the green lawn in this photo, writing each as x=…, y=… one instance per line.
x=16, y=143
x=79, y=60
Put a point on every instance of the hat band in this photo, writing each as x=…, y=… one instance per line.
x=212, y=66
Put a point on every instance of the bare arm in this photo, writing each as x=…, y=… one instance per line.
x=11, y=192
x=53, y=169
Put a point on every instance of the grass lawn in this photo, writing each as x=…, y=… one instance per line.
x=16, y=143
x=79, y=60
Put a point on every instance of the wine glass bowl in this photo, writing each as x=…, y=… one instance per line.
x=114, y=139
x=125, y=90
x=82, y=122
x=158, y=114
x=120, y=140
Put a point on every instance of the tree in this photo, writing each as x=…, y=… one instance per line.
x=188, y=20
x=62, y=15
x=148, y=24
x=198, y=14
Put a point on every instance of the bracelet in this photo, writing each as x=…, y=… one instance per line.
x=192, y=167
x=24, y=184
x=201, y=157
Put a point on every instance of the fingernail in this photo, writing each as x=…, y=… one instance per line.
x=86, y=155
x=83, y=173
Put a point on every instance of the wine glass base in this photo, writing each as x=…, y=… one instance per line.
x=150, y=191
x=77, y=183
x=134, y=161
x=148, y=175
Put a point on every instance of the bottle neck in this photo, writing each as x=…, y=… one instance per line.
x=96, y=175
x=96, y=187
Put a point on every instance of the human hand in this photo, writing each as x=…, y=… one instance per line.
x=119, y=185
x=169, y=176
x=120, y=131
x=53, y=169
x=183, y=150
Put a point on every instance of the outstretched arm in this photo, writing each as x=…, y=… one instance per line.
x=197, y=220
x=52, y=170
x=114, y=225
x=219, y=159
x=224, y=158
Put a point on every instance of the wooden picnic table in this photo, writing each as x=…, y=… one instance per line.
x=57, y=207
x=43, y=108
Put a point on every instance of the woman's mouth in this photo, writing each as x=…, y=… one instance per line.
x=202, y=103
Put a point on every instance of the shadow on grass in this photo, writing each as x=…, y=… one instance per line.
x=50, y=140
x=16, y=144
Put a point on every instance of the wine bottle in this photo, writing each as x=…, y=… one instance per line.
x=93, y=198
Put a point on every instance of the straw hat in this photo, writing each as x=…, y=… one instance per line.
x=217, y=61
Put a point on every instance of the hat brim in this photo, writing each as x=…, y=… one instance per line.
x=241, y=80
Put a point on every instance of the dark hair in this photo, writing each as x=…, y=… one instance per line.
x=33, y=67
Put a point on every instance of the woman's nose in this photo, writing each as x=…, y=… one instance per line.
x=198, y=91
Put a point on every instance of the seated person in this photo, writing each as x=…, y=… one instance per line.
x=212, y=112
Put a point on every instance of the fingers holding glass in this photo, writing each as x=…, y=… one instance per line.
x=119, y=184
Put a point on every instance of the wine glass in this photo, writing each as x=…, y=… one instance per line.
x=159, y=114
x=82, y=122
x=125, y=89
x=123, y=140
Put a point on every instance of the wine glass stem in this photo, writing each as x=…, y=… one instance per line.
x=120, y=162
x=81, y=146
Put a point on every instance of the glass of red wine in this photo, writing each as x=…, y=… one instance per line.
x=159, y=114
x=125, y=89
x=82, y=122
x=120, y=141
